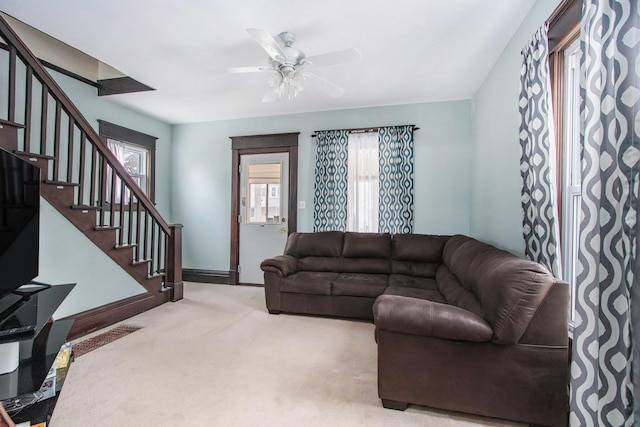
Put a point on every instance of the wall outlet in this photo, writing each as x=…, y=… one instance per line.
x=301, y=204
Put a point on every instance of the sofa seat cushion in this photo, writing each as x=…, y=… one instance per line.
x=359, y=285
x=404, y=281
x=308, y=282
x=426, y=294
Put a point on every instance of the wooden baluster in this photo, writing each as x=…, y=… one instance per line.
x=130, y=218
x=112, y=196
x=43, y=119
x=153, y=248
x=81, y=169
x=102, y=188
x=70, y=150
x=11, y=113
x=56, y=141
x=92, y=188
x=121, y=220
x=173, y=266
x=139, y=247
x=160, y=233
x=145, y=235
x=27, y=109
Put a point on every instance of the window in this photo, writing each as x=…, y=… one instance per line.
x=263, y=182
x=363, y=179
x=136, y=152
x=135, y=160
x=571, y=179
x=564, y=61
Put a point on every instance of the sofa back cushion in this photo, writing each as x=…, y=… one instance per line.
x=322, y=244
x=316, y=251
x=417, y=254
x=456, y=294
x=366, y=253
x=509, y=289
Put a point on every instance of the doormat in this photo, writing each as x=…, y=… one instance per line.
x=90, y=344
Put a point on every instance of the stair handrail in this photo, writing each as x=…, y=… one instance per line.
x=92, y=136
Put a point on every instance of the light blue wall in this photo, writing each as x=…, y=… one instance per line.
x=201, y=186
x=66, y=255
x=496, y=182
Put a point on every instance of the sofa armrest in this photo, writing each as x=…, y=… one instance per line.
x=427, y=318
x=283, y=265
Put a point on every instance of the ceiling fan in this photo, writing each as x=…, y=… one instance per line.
x=287, y=69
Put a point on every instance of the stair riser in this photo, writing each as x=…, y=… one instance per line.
x=43, y=164
x=8, y=137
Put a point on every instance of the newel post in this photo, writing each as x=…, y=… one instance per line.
x=174, y=262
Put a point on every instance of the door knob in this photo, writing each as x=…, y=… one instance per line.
x=283, y=230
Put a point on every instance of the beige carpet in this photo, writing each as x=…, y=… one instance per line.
x=217, y=358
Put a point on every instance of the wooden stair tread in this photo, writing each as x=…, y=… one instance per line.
x=86, y=207
x=34, y=155
x=127, y=246
x=106, y=228
x=60, y=183
x=13, y=124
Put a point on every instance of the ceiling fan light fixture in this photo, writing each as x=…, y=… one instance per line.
x=274, y=80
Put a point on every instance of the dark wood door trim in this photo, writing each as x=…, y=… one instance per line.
x=260, y=144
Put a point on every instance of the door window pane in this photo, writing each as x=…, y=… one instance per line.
x=264, y=204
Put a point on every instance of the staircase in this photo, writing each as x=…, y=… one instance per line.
x=80, y=176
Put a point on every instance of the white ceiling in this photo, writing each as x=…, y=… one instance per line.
x=413, y=50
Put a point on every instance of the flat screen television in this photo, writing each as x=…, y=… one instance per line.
x=19, y=222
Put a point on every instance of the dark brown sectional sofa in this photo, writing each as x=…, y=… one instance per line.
x=460, y=324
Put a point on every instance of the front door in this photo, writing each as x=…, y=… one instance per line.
x=264, y=203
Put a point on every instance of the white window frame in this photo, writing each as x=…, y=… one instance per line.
x=571, y=180
x=144, y=174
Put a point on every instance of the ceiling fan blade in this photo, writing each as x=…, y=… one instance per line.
x=237, y=70
x=270, y=95
x=269, y=44
x=345, y=56
x=324, y=84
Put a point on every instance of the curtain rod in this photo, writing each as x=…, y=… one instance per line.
x=360, y=130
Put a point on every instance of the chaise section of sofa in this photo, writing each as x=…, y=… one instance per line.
x=497, y=346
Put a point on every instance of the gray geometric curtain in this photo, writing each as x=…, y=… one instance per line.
x=395, y=200
x=331, y=184
x=602, y=392
x=538, y=157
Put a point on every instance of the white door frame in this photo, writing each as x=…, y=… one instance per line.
x=260, y=144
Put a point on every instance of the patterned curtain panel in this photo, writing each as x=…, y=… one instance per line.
x=395, y=201
x=538, y=157
x=331, y=186
x=601, y=372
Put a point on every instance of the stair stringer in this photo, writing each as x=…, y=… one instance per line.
x=67, y=255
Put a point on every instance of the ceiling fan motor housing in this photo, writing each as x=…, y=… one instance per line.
x=294, y=57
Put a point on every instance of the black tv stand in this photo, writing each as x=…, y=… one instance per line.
x=37, y=353
x=20, y=315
